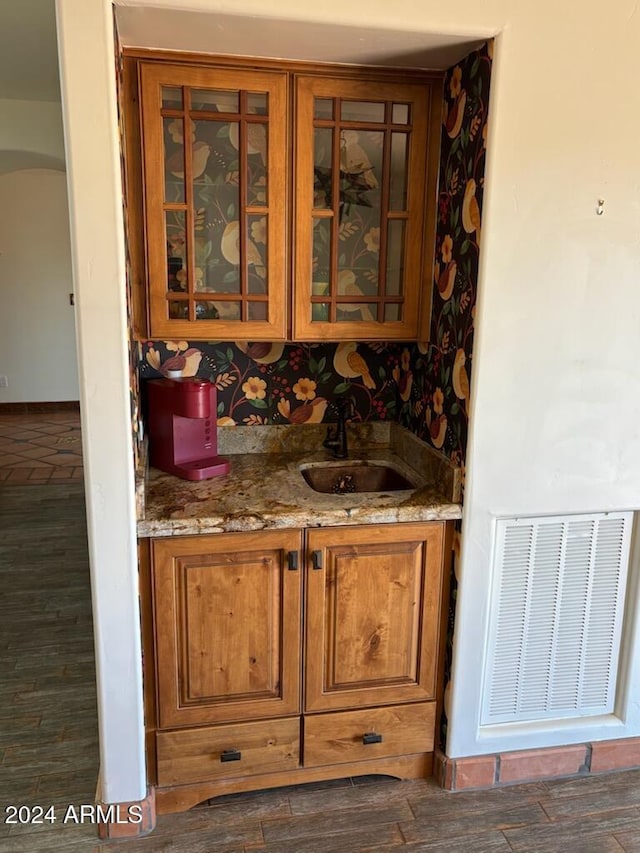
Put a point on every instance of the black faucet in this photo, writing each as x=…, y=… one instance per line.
x=336, y=440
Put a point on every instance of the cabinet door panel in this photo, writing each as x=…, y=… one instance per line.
x=373, y=615
x=227, y=618
x=360, y=196
x=215, y=151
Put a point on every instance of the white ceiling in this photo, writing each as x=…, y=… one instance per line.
x=236, y=35
x=28, y=50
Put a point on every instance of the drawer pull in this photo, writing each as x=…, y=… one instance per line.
x=230, y=755
x=316, y=559
x=371, y=737
x=292, y=561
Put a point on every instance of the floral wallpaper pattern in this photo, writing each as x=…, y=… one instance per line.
x=437, y=406
x=277, y=383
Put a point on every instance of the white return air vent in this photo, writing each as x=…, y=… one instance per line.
x=556, y=617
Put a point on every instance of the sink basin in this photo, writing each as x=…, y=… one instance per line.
x=352, y=476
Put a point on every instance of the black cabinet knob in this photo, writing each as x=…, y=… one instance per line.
x=371, y=737
x=230, y=755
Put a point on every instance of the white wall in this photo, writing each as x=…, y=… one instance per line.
x=556, y=402
x=37, y=344
x=30, y=135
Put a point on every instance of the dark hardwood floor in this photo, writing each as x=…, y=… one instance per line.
x=49, y=749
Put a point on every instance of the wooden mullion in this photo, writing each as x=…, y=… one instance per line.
x=384, y=211
x=335, y=207
x=364, y=299
x=243, y=229
x=214, y=115
x=189, y=225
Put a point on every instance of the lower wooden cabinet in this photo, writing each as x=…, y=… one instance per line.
x=277, y=657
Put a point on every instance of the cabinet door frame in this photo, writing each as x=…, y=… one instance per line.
x=421, y=184
x=152, y=76
x=322, y=585
x=171, y=559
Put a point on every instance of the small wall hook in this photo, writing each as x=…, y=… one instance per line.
x=600, y=207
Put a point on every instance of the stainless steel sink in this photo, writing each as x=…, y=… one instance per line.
x=354, y=476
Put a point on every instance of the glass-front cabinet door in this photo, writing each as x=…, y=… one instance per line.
x=215, y=152
x=361, y=153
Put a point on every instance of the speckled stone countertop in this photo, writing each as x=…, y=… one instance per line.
x=265, y=488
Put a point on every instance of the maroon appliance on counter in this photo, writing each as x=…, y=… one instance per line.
x=182, y=428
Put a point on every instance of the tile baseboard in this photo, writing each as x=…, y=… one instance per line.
x=535, y=765
x=132, y=820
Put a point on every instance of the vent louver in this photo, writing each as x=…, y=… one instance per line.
x=556, y=617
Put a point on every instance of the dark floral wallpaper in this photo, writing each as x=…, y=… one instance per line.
x=277, y=383
x=437, y=405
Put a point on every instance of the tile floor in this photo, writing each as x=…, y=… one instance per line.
x=40, y=448
x=49, y=749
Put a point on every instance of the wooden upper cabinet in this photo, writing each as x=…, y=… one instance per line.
x=215, y=207
x=227, y=627
x=373, y=615
x=362, y=228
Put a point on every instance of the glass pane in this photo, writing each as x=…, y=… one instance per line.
x=257, y=229
x=395, y=257
x=257, y=311
x=207, y=311
x=349, y=285
x=173, y=160
x=171, y=98
x=398, y=175
x=322, y=171
x=257, y=103
x=176, y=251
x=400, y=114
x=362, y=111
x=178, y=310
x=323, y=108
x=216, y=196
x=257, y=158
x=216, y=100
x=319, y=288
x=360, y=212
x=220, y=170
x=357, y=313
x=320, y=312
x=217, y=310
x=392, y=311
x=360, y=173
x=321, y=256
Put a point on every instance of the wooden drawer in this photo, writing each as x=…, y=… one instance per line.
x=198, y=755
x=371, y=733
